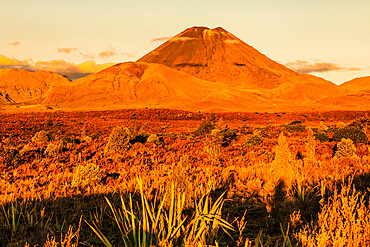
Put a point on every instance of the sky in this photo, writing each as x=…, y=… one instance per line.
x=327, y=38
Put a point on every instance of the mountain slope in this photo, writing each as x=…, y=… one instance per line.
x=138, y=85
x=357, y=84
x=19, y=86
x=217, y=55
x=305, y=89
x=355, y=97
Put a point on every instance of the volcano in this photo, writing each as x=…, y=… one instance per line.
x=198, y=69
x=218, y=55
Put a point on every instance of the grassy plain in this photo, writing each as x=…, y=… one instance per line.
x=237, y=179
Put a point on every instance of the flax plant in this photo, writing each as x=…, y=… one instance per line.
x=155, y=225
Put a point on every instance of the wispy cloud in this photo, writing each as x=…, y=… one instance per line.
x=86, y=55
x=160, y=39
x=66, y=50
x=311, y=67
x=15, y=43
x=107, y=53
x=63, y=67
x=74, y=49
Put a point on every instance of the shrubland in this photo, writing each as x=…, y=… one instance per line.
x=175, y=178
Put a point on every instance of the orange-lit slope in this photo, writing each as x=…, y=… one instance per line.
x=22, y=86
x=357, y=84
x=138, y=85
x=305, y=89
x=356, y=96
x=217, y=55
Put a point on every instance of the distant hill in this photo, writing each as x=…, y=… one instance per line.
x=139, y=85
x=357, y=84
x=19, y=86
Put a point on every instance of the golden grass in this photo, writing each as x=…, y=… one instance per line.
x=286, y=178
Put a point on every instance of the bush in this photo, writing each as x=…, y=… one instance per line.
x=122, y=138
x=345, y=148
x=343, y=221
x=207, y=125
x=361, y=123
x=41, y=137
x=245, y=129
x=323, y=127
x=355, y=134
x=51, y=150
x=86, y=175
x=253, y=140
x=321, y=136
x=8, y=152
x=224, y=136
x=296, y=127
x=310, y=148
x=153, y=138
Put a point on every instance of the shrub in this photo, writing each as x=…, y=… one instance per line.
x=321, y=136
x=344, y=221
x=41, y=137
x=310, y=148
x=121, y=138
x=282, y=152
x=153, y=138
x=341, y=125
x=245, y=129
x=51, y=150
x=322, y=127
x=253, y=140
x=207, y=125
x=282, y=164
x=8, y=152
x=361, y=123
x=345, y=148
x=355, y=134
x=86, y=175
x=296, y=127
x=224, y=136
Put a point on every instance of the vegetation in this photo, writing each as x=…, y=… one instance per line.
x=92, y=179
x=343, y=221
x=349, y=132
x=345, y=149
x=322, y=136
x=122, y=138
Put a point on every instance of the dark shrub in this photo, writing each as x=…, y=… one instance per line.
x=297, y=127
x=207, y=125
x=121, y=139
x=321, y=136
x=361, y=123
x=355, y=134
x=253, y=141
x=227, y=135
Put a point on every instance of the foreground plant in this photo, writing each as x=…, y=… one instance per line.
x=344, y=221
x=155, y=225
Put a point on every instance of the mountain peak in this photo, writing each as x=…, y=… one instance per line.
x=199, y=32
x=218, y=55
